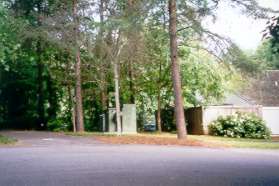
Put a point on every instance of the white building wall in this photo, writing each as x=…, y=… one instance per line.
x=271, y=116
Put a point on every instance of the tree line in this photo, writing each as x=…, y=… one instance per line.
x=63, y=63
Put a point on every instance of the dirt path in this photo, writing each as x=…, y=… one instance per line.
x=41, y=139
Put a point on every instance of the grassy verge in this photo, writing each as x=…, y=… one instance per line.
x=192, y=140
x=227, y=142
x=242, y=143
x=6, y=140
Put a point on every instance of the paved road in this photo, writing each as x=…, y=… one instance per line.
x=51, y=159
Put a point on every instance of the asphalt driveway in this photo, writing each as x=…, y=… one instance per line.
x=55, y=159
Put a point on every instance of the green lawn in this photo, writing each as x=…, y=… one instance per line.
x=232, y=142
x=219, y=141
x=6, y=140
x=241, y=143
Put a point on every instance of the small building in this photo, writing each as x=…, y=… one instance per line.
x=260, y=97
x=199, y=118
x=128, y=120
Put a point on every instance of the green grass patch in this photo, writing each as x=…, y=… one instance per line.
x=7, y=140
x=240, y=142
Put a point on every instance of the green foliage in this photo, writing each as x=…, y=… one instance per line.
x=240, y=125
x=248, y=64
x=274, y=32
x=58, y=125
x=37, y=61
x=16, y=75
x=267, y=55
x=168, y=122
x=204, y=80
x=7, y=140
x=154, y=77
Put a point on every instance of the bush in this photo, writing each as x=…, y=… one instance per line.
x=240, y=125
x=57, y=125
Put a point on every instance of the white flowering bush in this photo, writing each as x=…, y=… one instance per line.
x=240, y=125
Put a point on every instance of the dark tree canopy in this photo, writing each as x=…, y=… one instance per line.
x=62, y=62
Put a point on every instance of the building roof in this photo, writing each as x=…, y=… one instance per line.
x=237, y=99
x=264, y=90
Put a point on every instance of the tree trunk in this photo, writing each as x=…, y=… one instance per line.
x=132, y=35
x=40, y=92
x=52, y=97
x=79, y=107
x=131, y=84
x=104, y=99
x=117, y=98
x=179, y=108
x=72, y=107
x=78, y=91
x=99, y=52
x=159, y=122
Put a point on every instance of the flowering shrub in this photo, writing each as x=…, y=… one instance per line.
x=240, y=125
